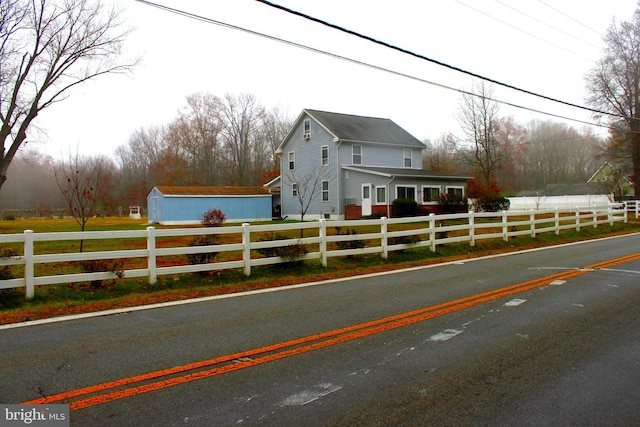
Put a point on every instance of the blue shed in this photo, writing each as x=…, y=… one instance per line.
x=182, y=205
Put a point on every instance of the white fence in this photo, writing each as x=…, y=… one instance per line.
x=561, y=202
x=389, y=234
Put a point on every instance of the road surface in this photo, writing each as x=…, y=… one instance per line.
x=545, y=337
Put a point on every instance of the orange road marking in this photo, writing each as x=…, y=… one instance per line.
x=290, y=348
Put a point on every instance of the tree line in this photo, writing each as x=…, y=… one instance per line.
x=232, y=140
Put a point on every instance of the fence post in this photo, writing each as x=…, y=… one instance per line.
x=577, y=219
x=610, y=215
x=472, y=229
x=29, y=279
x=323, y=241
x=246, y=250
x=557, y=218
x=432, y=226
x=384, y=241
x=151, y=256
x=505, y=226
x=595, y=217
x=532, y=219
x=625, y=213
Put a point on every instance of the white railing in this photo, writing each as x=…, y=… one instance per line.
x=389, y=234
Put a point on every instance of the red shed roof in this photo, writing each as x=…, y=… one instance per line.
x=195, y=190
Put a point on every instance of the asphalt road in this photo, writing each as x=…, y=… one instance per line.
x=558, y=344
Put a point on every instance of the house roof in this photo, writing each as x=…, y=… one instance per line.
x=170, y=190
x=348, y=127
x=580, y=189
x=362, y=129
x=406, y=173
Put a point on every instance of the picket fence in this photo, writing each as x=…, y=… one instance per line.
x=428, y=231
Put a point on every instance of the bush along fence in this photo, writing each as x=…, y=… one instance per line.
x=156, y=251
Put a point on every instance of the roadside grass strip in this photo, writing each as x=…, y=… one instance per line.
x=144, y=383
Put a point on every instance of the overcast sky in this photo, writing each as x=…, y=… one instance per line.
x=541, y=46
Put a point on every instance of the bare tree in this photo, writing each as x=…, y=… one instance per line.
x=243, y=117
x=614, y=83
x=197, y=134
x=46, y=48
x=306, y=188
x=478, y=117
x=80, y=180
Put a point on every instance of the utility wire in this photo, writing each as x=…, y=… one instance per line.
x=434, y=61
x=546, y=24
x=557, y=46
x=571, y=18
x=354, y=61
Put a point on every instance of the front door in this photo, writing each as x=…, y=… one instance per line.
x=366, y=199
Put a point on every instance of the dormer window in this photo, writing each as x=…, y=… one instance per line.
x=306, y=129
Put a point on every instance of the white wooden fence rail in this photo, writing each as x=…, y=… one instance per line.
x=431, y=231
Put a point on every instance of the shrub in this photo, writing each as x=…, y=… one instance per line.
x=404, y=207
x=98, y=265
x=9, y=217
x=213, y=218
x=399, y=240
x=349, y=244
x=205, y=257
x=487, y=199
x=491, y=204
x=5, y=270
x=290, y=252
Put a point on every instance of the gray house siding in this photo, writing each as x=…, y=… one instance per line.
x=384, y=150
x=308, y=161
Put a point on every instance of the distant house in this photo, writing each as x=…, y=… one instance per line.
x=612, y=180
x=357, y=166
x=181, y=205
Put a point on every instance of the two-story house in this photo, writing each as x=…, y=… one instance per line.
x=345, y=166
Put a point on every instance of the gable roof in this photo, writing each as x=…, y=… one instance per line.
x=362, y=129
x=406, y=173
x=194, y=190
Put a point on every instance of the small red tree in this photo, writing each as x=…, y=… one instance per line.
x=213, y=218
x=486, y=198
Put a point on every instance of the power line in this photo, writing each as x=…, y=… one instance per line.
x=557, y=46
x=546, y=24
x=354, y=61
x=571, y=18
x=434, y=61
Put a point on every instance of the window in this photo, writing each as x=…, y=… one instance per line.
x=324, y=155
x=406, y=154
x=292, y=160
x=325, y=191
x=457, y=192
x=405, y=192
x=356, y=151
x=306, y=129
x=294, y=189
x=430, y=194
x=381, y=195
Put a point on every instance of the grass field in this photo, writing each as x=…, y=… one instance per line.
x=55, y=300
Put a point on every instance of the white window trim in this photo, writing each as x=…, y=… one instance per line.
x=306, y=129
x=384, y=188
x=461, y=187
x=430, y=186
x=353, y=154
x=323, y=161
x=323, y=191
x=415, y=190
x=405, y=157
x=291, y=158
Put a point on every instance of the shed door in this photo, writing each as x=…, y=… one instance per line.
x=366, y=199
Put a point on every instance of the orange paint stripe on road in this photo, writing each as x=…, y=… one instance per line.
x=297, y=346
